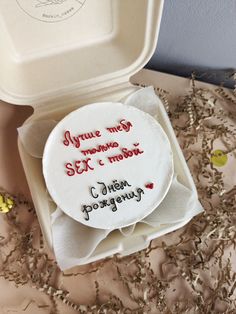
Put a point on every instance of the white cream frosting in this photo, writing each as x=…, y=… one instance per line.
x=108, y=165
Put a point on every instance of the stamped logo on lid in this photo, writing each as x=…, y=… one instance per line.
x=51, y=11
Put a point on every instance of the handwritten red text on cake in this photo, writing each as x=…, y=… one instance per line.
x=122, y=126
x=99, y=148
x=78, y=167
x=126, y=153
x=84, y=165
x=76, y=140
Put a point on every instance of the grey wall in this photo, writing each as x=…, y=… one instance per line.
x=197, y=35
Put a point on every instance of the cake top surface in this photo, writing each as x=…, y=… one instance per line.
x=108, y=165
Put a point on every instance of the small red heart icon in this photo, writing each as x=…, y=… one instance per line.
x=149, y=186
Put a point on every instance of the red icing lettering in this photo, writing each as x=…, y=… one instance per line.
x=82, y=136
x=112, y=130
x=97, y=133
x=101, y=163
x=126, y=125
x=71, y=171
x=76, y=140
x=79, y=167
x=123, y=126
x=113, y=159
x=86, y=164
x=99, y=148
x=68, y=139
x=126, y=153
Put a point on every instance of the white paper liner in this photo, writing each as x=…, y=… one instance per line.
x=146, y=100
x=179, y=204
x=74, y=242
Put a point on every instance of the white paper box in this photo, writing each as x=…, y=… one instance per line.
x=56, y=64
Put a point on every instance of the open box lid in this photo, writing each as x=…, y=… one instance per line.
x=53, y=47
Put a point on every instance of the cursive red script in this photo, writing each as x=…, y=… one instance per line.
x=122, y=126
x=78, y=167
x=76, y=140
x=99, y=148
x=126, y=153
